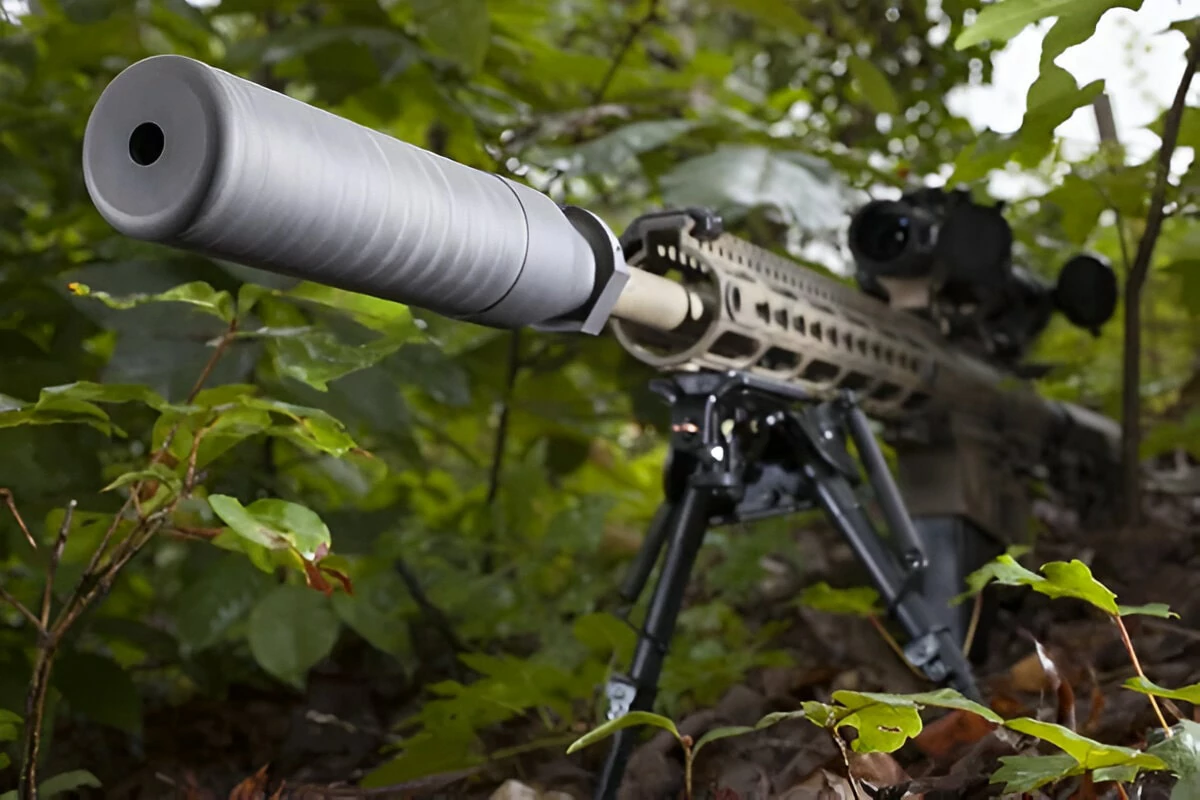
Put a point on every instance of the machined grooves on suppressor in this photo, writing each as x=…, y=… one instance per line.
x=256, y=177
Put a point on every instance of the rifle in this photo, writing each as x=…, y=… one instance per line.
x=770, y=370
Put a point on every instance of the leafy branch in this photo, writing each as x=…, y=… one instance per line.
x=101, y=572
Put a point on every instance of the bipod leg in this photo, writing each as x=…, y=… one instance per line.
x=684, y=531
x=933, y=649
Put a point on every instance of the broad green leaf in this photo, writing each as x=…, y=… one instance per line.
x=291, y=630
x=155, y=472
x=1188, y=694
x=722, y=733
x=940, y=698
x=316, y=357
x=1181, y=753
x=68, y=782
x=1074, y=579
x=1080, y=204
x=1003, y=570
x=275, y=524
x=859, y=601
x=1160, y=610
x=1188, y=272
x=99, y=689
x=1021, y=774
x=605, y=635
x=383, y=316
x=458, y=28
x=629, y=720
x=378, y=611
x=778, y=15
x=313, y=428
x=196, y=294
x=221, y=598
x=874, y=85
x=1089, y=753
x=1004, y=19
x=736, y=179
x=884, y=722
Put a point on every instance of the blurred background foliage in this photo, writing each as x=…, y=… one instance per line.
x=509, y=476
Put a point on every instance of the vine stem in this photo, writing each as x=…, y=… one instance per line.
x=1137, y=665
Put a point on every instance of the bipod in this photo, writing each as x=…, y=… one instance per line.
x=744, y=448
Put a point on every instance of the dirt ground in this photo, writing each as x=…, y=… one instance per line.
x=209, y=750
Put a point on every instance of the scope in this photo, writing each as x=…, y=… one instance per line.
x=941, y=254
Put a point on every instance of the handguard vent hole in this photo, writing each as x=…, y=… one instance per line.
x=146, y=144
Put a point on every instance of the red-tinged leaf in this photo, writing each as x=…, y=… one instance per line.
x=342, y=578
x=315, y=580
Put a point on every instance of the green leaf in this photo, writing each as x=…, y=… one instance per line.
x=1021, y=774
x=1003, y=570
x=291, y=630
x=1188, y=694
x=1088, y=752
x=941, y=698
x=629, y=720
x=1160, y=610
x=68, y=782
x=1080, y=204
x=98, y=688
x=737, y=179
x=378, y=611
x=874, y=85
x=606, y=635
x=1188, y=272
x=1003, y=20
x=155, y=472
x=275, y=524
x=312, y=428
x=1074, y=579
x=197, y=294
x=224, y=594
x=722, y=733
x=316, y=357
x=458, y=28
x=1059, y=579
x=1181, y=753
x=859, y=601
x=777, y=15
x=884, y=722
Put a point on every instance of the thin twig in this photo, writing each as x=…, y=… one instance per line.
x=1138, y=666
x=894, y=645
x=635, y=30
x=973, y=625
x=1131, y=400
x=437, y=617
x=11, y=502
x=501, y=440
x=19, y=606
x=52, y=568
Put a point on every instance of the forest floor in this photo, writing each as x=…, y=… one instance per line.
x=211, y=750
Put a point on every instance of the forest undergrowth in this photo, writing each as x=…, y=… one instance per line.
x=1042, y=657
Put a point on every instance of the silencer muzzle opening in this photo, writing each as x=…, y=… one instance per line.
x=146, y=144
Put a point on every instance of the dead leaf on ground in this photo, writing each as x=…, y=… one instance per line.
x=878, y=769
x=1057, y=683
x=822, y=785
x=947, y=737
x=251, y=788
